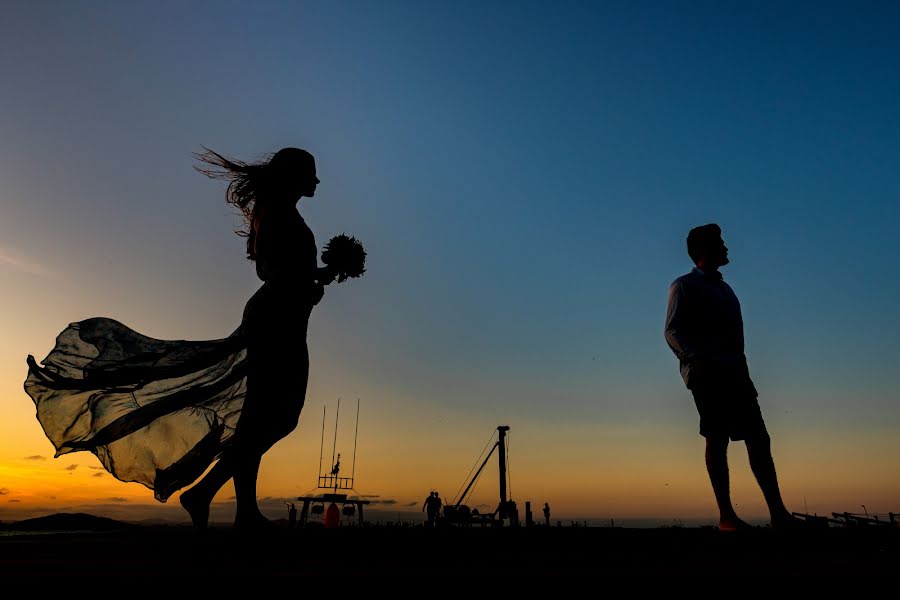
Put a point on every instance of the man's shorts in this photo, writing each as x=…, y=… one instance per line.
x=728, y=412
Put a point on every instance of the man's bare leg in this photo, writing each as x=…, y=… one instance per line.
x=717, y=467
x=759, y=451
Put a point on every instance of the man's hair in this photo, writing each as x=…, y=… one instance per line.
x=700, y=238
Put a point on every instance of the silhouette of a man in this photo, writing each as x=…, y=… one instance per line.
x=430, y=509
x=438, y=505
x=705, y=330
x=547, y=514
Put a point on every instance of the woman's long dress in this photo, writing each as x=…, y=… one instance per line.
x=159, y=412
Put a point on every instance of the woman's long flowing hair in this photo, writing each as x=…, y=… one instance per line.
x=246, y=189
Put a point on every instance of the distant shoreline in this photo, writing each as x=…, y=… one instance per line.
x=82, y=521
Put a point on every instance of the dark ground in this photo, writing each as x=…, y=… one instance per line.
x=143, y=553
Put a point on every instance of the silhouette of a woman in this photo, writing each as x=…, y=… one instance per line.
x=275, y=319
x=160, y=412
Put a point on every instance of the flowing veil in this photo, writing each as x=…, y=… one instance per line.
x=157, y=412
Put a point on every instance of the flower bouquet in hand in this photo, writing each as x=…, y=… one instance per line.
x=344, y=257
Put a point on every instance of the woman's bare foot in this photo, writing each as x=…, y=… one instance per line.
x=734, y=524
x=196, y=508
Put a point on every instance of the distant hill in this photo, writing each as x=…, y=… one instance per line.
x=67, y=522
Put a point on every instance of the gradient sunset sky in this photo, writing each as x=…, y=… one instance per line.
x=523, y=176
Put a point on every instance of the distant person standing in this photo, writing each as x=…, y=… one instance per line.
x=292, y=515
x=430, y=510
x=547, y=514
x=705, y=330
x=438, y=506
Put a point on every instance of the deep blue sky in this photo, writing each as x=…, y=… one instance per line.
x=523, y=176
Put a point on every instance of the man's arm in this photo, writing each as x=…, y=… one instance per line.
x=678, y=324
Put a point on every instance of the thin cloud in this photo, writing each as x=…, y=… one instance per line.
x=410, y=504
x=115, y=499
x=4, y=491
x=14, y=500
x=71, y=467
x=387, y=502
x=25, y=266
x=98, y=468
x=98, y=475
x=35, y=457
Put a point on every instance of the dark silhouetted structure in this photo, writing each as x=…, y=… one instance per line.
x=332, y=479
x=705, y=330
x=547, y=514
x=456, y=512
x=160, y=412
x=336, y=469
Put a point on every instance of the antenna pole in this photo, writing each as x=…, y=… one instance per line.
x=336, y=416
x=322, y=443
x=355, y=437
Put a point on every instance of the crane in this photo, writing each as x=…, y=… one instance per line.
x=458, y=513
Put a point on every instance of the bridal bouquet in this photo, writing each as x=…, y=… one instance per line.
x=344, y=257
